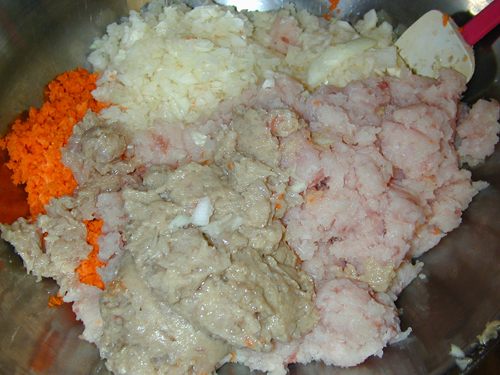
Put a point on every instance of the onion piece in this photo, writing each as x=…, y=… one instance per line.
x=202, y=212
x=334, y=56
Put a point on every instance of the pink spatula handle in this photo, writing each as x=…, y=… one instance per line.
x=482, y=24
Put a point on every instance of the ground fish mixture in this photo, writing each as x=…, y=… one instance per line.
x=259, y=201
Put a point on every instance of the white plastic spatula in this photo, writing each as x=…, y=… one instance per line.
x=434, y=41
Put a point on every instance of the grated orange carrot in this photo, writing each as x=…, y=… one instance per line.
x=446, y=18
x=249, y=342
x=55, y=301
x=34, y=145
x=87, y=270
x=333, y=4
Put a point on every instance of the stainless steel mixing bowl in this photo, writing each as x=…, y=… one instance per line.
x=461, y=292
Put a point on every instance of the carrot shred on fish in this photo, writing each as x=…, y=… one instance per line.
x=207, y=162
x=87, y=270
x=34, y=145
x=55, y=301
x=327, y=16
x=249, y=342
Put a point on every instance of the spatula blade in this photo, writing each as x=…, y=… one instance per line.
x=434, y=42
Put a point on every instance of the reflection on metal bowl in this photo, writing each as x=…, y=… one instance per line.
x=461, y=291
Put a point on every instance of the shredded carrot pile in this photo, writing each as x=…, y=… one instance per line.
x=87, y=270
x=34, y=145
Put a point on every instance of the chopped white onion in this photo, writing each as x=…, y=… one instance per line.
x=198, y=138
x=333, y=56
x=268, y=83
x=179, y=221
x=202, y=212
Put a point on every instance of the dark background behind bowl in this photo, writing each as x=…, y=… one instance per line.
x=40, y=39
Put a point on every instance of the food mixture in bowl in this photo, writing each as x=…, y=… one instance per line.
x=251, y=187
